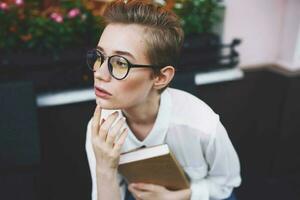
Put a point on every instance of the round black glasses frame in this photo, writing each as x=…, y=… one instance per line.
x=95, y=52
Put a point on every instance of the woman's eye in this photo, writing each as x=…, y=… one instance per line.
x=120, y=63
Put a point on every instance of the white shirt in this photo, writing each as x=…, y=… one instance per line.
x=197, y=138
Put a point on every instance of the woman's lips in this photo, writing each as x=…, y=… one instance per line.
x=102, y=93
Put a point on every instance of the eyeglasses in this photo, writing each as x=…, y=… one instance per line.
x=118, y=66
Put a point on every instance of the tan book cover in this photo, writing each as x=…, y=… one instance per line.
x=156, y=165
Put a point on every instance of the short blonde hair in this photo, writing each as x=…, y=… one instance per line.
x=164, y=35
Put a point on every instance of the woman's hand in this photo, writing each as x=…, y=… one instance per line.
x=143, y=191
x=107, y=140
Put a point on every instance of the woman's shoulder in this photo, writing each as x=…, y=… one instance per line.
x=189, y=110
x=183, y=101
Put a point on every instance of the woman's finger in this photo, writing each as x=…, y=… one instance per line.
x=113, y=132
x=133, y=191
x=138, y=194
x=147, y=187
x=103, y=131
x=120, y=141
x=95, y=121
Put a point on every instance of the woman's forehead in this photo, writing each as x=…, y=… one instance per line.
x=122, y=37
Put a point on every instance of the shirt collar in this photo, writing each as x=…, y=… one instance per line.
x=158, y=132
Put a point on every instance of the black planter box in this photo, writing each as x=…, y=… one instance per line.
x=205, y=52
x=48, y=72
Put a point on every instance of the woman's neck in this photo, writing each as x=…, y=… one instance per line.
x=141, y=118
x=145, y=112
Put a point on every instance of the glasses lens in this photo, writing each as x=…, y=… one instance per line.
x=94, y=60
x=119, y=67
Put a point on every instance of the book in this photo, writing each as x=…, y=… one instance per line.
x=155, y=165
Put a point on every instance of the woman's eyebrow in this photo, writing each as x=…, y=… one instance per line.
x=100, y=48
x=123, y=53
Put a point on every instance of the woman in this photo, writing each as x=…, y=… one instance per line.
x=133, y=64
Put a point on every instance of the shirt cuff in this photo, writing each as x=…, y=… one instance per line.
x=200, y=190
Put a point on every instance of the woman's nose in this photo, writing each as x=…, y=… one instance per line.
x=103, y=73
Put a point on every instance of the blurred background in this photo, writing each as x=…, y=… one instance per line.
x=242, y=57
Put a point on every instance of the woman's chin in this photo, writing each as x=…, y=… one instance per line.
x=107, y=105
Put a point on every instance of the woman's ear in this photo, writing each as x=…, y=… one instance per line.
x=164, y=77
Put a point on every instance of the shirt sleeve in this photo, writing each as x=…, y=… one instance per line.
x=92, y=165
x=223, y=169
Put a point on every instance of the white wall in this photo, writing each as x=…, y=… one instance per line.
x=268, y=29
x=297, y=51
x=290, y=36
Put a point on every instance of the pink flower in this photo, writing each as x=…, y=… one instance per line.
x=3, y=6
x=53, y=15
x=73, y=13
x=19, y=2
x=57, y=17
